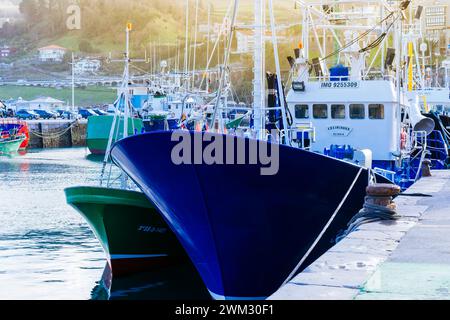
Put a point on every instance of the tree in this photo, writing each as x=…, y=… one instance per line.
x=85, y=46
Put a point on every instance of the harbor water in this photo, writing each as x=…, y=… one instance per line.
x=47, y=250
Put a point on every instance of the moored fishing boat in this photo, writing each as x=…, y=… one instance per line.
x=18, y=126
x=245, y=232
x=10, y=144
x=129, y=227
x=249, y=218
x=99, y=128
x=133, y=234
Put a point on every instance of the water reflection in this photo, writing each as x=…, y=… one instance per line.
x=47, y=250
x=176, y=283
x=95, y=158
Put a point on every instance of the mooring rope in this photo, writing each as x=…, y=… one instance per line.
x=370, y=213
x=56, y=134
x=313, y=246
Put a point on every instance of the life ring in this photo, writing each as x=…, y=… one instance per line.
x=403, y=139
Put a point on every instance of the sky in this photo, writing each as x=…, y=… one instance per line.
x=9, y=7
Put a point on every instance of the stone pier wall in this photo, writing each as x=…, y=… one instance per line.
x=57, y=134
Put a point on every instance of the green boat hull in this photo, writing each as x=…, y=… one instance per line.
x=10, y=146
x=99, y=129
x=130, y=229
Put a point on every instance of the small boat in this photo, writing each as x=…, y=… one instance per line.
x=129, y=227
x=11, y=145
x=245, y=232
x=10, y=140
x=18, y=126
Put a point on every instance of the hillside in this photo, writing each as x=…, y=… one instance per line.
x=103, y=21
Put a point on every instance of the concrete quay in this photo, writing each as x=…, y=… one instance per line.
x=408, y=259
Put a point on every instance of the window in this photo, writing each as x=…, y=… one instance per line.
x=376, y=111
x=302, y=111
x=338, y=111
x=320, y=111
x=357, y=111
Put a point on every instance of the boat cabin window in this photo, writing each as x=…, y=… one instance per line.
x=376, y=111
x=357, y=111
x=320, y=111
x=301, y=111
x=338, y=111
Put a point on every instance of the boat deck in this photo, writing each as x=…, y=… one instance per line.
x=407, y=259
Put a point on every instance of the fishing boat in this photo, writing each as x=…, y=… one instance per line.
x=352, y=111
x=245, y=232
x=130, y=228
x=10, y=142
x=248, y=224
x=99, y=128
x=18, y=126
x=14, y=136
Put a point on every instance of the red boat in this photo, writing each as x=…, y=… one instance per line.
x=19, y=125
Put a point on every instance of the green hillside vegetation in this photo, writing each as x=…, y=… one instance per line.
x=83, y=97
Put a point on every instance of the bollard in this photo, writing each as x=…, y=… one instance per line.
x=382, y=195
x=426, y=168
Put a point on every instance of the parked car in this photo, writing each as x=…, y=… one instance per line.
x=86, y=113
x=68, y=115
x=27, y=115
x=44, y=114
x=100, y=112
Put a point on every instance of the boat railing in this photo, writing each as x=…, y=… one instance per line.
x=300, y=134
x=367, y=77
x=420, y=139
x=388, y=174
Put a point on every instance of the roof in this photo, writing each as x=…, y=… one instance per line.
x=46, y=100
x=52, y=47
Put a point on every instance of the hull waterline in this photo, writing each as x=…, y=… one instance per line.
x=245, y=232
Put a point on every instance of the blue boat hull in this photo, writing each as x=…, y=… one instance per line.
x=245, y=232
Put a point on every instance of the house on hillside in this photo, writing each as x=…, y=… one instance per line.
x=6, y=52
x=52, y=53
x=87, y=66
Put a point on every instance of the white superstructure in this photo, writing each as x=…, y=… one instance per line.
x=348, y=105
x=361, y=114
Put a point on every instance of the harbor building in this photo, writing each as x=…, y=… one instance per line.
x=52, y=53
x=46, y=103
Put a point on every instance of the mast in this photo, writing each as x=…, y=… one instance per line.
x=225, y=64
x=207, y=46
x=277, y=66
x=194, y=62
x=126, y=80
x=398, y=49
x=258, y=70
x=73, y=82
x=186, y=49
